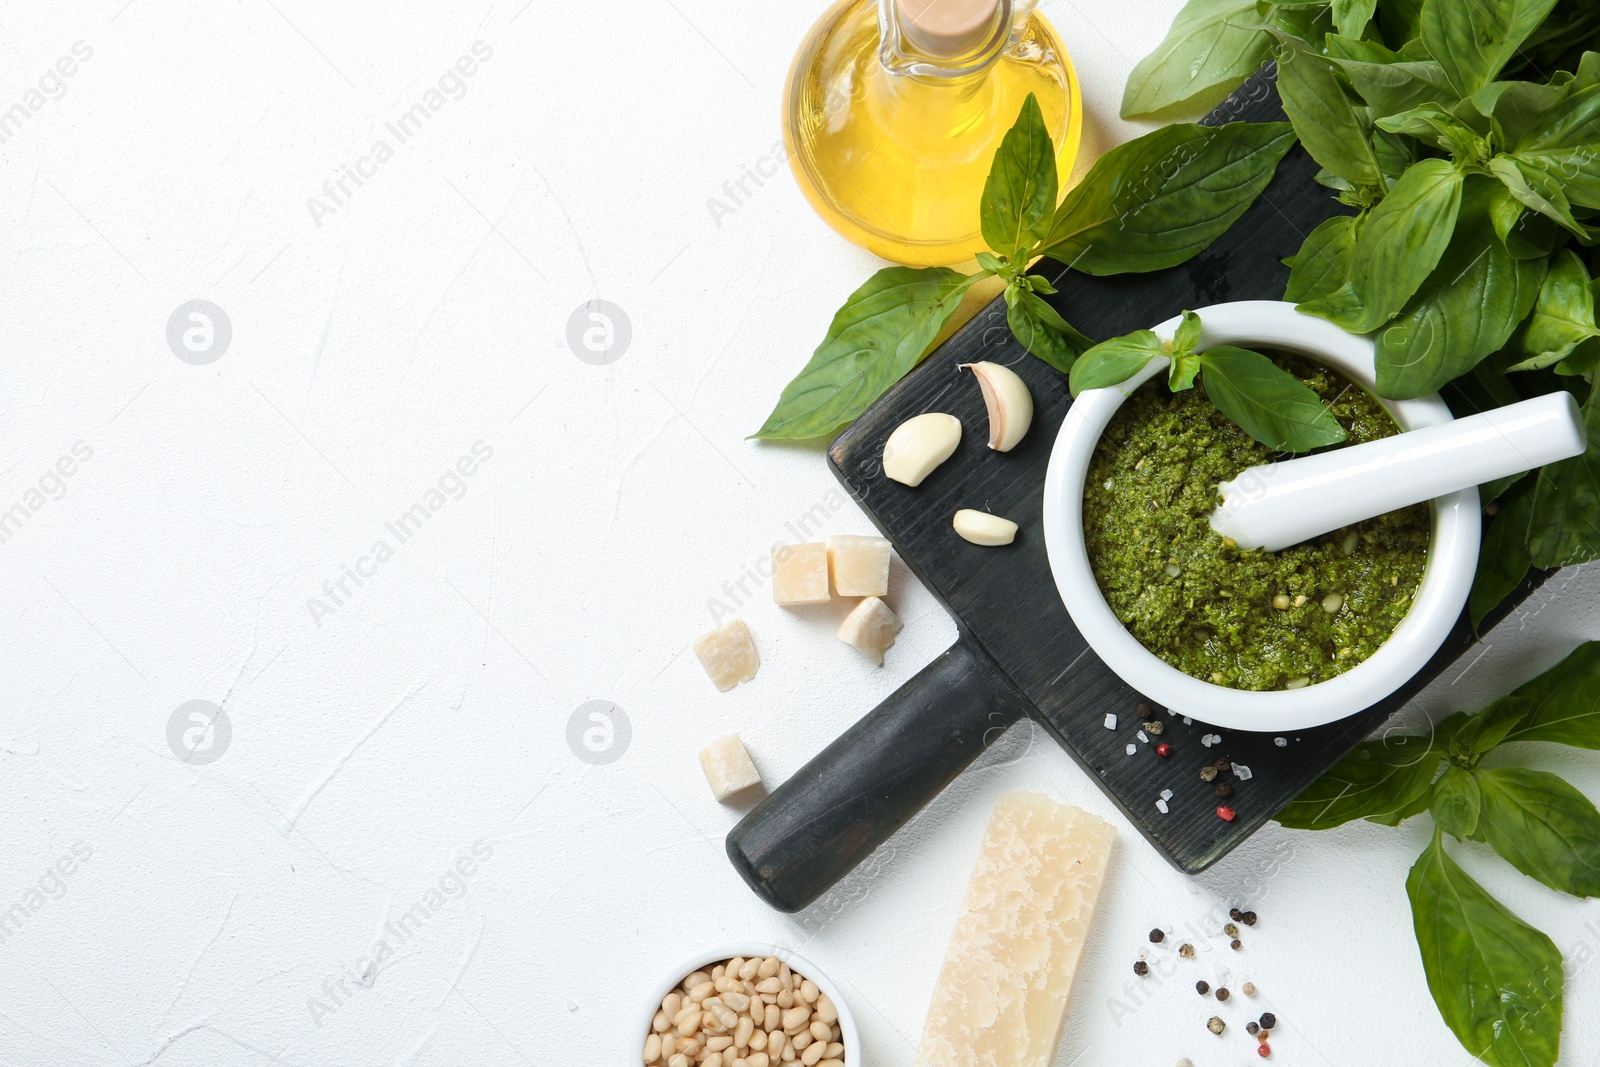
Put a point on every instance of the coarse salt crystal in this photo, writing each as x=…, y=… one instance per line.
x=1281, y=742
x=1141, y=736
x=1111, y=721
x=1244, y=773
x=1132, y=749
x=1188, y=721
x=1161, y=806
x=1166, y=794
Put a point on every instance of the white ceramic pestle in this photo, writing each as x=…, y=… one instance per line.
x=1276, y=505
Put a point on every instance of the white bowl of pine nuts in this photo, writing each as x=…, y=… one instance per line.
x=746, y=1005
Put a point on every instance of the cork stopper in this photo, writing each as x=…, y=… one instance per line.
x=947, y=27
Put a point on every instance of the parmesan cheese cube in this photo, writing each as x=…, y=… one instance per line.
x=860, y=565
x=1002, y=994
x=870, y=627
x=800, y=574
x=728, y=767
x=728, y=655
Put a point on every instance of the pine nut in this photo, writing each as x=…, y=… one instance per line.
x=795, y=1018
x=830, y=1062
x=690, y=1022
x=758, y=1040
x=695, y=978
x=776, y=1043
x=702, y=991
x=672, y=1003
x=713, y=1060
x=785, y=976
x=835, y=1050
x=669, y=1044
x=734, y=965
x=820, y=1030
x=801, y=1040
x=760, y=1059
x=661, y=1022
x=652, y=1048
x=741, y=1034
x=736, y=1001
x=789, y=1054
x=785, y=999
x=741, y=1062
x=717, y=972
x=769, y=985
x=812, y=1054
x=684, y=1013
x=725, y=1016
x=809, y=992
x=826, y=1011
x=769, y=967
x=769, y=998
x=771, y=1018
x=748, y=971
x=679, y=1060
x=689, y=1047
x=718, y=1043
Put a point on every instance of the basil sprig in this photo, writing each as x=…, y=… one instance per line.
x=1151, y=203
x=1496, y=980
x=1266, y=401
x=1465, y=139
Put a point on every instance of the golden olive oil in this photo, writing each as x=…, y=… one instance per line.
x=892, y=149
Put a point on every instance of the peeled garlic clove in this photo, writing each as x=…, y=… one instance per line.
x=1009, y=402
x=920, y=444
x=982, y=528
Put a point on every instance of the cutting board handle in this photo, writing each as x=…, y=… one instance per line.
x=853, y=795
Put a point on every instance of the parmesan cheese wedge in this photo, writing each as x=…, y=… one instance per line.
x=728, y=655
x=1002, y=995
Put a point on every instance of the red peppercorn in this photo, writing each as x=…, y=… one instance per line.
x=1263, y=1050
x=1225, y=813
x=1163, y=749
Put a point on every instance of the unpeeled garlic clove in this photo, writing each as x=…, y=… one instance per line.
x=1008, y=400
x=982, y=528
x=920, y=444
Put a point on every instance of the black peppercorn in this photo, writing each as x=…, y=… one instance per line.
x=1222, y=993
x=1268, y=1021
x=1236, y=944
x=1157, y=936
x=1202, y=987
x=1249, y=918
x=1236, y=915
x=1222, y=763
x=1145, y=711
x=1224, y=789
x=1252, y=1028
x=1141, y=968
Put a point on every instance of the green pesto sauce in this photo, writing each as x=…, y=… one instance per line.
x=1199, y=602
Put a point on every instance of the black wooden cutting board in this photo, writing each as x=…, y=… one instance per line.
x=1018, y=652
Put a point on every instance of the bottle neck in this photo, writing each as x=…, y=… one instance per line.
x=953, y=41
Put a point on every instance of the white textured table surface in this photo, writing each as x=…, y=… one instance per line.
x=229, y=913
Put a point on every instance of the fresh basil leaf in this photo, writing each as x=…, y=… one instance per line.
x=1268, y=403
x=1565, y=529
x=1042, y=330
x=1473, y=40
x=1496, y=980
x=1393, y=153
x=1331, y=126
x=1536, y=188
x=1351, y=16
x=1400, y=21
x=1433, y=124
x=1543, y=827
x=1399, y=246
x=1455, y=802
x=1386, y=80
x=1160, y=198
x=1187, y=336
x=1516, y=107
x=1563, y=317
x=1323, y=263
x=1378, y=780
x=1562, y=705
x=1503, y=561
x=1467, y=309
x=1182, y=371
x=1564, y=142
x=1115, y=361
x=1039, y=284
x=1212, y=46
x=1019, y=196
x=1526, y=234
x=880, y=333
